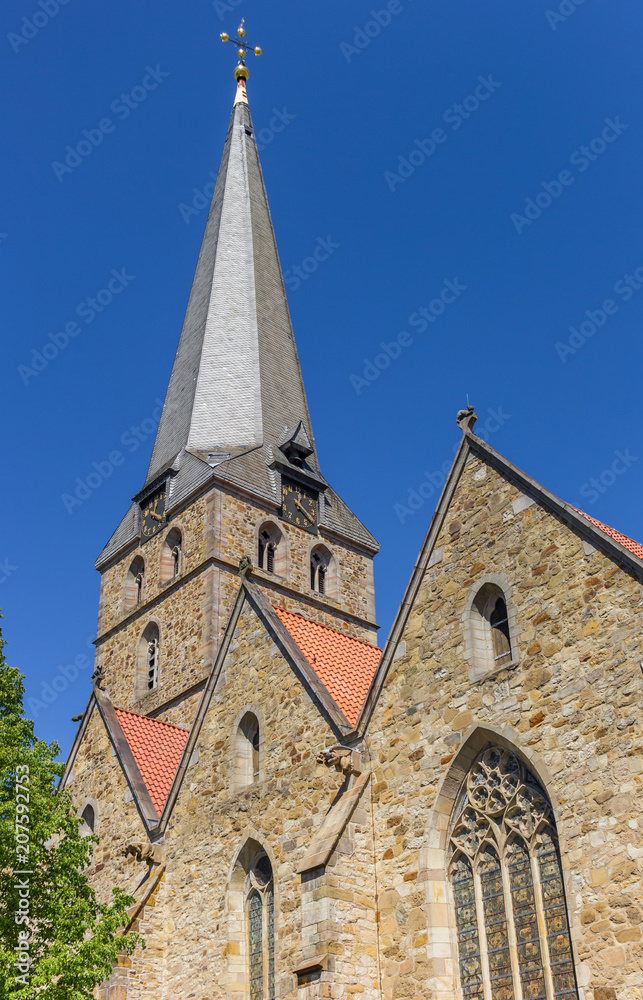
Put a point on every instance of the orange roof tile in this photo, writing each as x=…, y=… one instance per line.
x=157, y=748
x=345, y=665
x=635, y=547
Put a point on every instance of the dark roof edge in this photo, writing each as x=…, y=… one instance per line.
x=566, y=511
x=291, y=649
x=413, y=586
x=78, y=739
x=127, y=761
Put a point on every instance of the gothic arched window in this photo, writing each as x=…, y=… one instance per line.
x=489, y=630
x=260, y=909
x=507, y=881
x=89, y=820
x=171, y=556
x=271, y=555
x=323, y=572
x=148, y=660
x=246, y=765
x=133, y=591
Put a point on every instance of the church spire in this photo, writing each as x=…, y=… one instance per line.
x=236, y=383
x=235, y=410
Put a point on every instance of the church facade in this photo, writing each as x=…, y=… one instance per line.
x=296, y=812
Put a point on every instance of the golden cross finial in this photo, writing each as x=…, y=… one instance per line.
x=241, y=70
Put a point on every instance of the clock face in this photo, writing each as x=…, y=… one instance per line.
x=153, y=516
x=299, y=506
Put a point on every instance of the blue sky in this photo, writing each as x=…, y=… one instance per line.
x=438, y=146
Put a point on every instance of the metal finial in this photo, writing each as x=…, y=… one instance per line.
x=241, y=70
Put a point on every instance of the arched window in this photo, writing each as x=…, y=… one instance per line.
x=148, y=660
x=133, y=591
x=260, y=910
x=489, y=631
x=246, y=765
x=271, y=549
x=89, y=820
x=171, y=555
x=323, y=572
x=506, y=876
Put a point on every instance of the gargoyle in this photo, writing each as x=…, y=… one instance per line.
x=341, y=758
x=152, y=853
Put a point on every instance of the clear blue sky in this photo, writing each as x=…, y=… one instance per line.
x=373, y=154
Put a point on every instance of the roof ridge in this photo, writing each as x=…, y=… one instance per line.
x=148, y=718
x=336, y=631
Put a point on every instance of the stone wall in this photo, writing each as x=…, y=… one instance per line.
x=570, y=705
x=192, y=610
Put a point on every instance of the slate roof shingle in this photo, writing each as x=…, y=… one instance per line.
x=157, y=748
x=345, y=665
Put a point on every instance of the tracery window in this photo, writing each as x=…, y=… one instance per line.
x=261, y=929
x=507, y=887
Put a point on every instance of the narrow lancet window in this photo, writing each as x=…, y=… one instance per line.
x=323, y=572
x=261, y=930
x=148, y=660
x=171, y=555
x=134, y=581
x=247, y=760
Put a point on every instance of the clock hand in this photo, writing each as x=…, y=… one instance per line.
x=159, y=517
x=306, y=515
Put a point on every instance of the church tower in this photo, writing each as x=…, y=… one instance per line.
x=234, y=475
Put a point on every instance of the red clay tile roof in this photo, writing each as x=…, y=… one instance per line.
x=635, y=547
x=157, y=748
x=345, y=666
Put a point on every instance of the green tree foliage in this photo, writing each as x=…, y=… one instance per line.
x=50, y=913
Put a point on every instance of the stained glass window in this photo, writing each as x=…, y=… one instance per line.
x=261, y=930
x=560, y=952
x=255, y=913
x=467, y=924
x=507, y=883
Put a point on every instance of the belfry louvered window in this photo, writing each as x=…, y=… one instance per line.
x=507, y=883
x=261, y=930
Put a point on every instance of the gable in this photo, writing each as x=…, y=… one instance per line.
x=488, y=512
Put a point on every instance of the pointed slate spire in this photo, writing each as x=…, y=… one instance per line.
x=236, y=381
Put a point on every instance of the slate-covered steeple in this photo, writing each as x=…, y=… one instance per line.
x=236, y=380
x=235, y=410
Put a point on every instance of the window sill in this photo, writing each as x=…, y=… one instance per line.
x=479, y=678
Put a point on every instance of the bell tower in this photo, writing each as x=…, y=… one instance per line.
x=234, y=473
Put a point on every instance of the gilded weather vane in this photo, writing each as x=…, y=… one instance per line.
x=241, y=70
